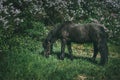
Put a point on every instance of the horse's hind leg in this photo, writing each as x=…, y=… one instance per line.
x=103, y=52
x=70, y=50
x=51, y=48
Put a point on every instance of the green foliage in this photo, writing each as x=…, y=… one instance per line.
x=18, y=15
x=113, y=74
x=24, y=60
x=38, y=30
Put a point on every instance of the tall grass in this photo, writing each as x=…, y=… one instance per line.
x=25, y=61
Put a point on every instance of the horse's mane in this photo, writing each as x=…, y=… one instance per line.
x=57, y=30
x=54, y=32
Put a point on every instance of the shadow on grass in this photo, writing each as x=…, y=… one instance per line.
x=68, y=56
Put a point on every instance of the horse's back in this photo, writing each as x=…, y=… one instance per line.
x=82, y=32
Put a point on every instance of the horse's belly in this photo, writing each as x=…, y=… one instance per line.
x=80, y=39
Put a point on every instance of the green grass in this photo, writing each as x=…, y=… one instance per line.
x=24, y=61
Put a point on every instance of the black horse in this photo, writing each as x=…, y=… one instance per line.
x=69, y=32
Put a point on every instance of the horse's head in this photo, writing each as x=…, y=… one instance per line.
x=46, y=46
x=48, y=42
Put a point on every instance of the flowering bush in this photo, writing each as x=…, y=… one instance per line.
x=18, y=15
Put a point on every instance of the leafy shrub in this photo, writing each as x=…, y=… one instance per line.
x=38, y=30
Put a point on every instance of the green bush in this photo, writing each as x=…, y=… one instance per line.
x=38, y=30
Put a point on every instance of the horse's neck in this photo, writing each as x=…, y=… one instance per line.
x=53, y=40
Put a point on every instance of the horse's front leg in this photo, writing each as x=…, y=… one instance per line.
x=51, y=48
x=70, y=50
x=63, y=42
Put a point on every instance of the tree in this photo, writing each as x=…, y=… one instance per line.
x=17, y=16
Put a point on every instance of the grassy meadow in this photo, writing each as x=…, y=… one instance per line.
x=24, y=60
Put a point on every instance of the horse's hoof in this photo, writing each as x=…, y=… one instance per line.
x=93, y=60
x=101, y=63
x=71, y=58
x=47, y=56
x=61, y=57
